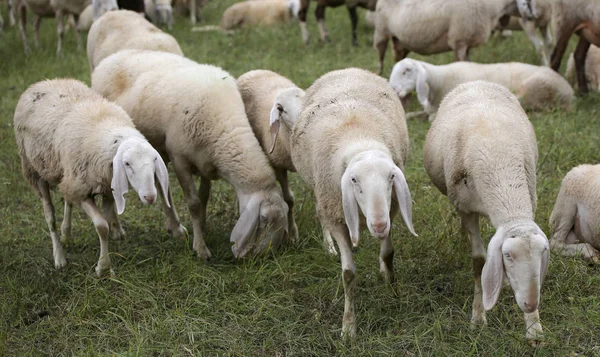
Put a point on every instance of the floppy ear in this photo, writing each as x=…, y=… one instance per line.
x=245, y=228
x=423, y=87
x=545, y=262
x=160, y=169
x=350, y=207
x=492, y=275
x=119, y=184
x=404, y=199
x=275, y=123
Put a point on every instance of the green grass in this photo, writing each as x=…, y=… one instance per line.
x=165, y=302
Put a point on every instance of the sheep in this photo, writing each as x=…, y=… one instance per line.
x=268, y=97
x=195, y=115
x=263, y=12
x=160, y=11
x=592, y=69
x=349, y=144
x=351, y=5
x=536, y=87
x=86, y=18
x=576, y=214
x=481, y=152
x=417, y=26
x=123, y=29
x=575, y=16
x=70, y=137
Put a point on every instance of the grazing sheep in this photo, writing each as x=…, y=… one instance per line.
x=268, y=97
x=583, y=18
x=71, y=138
x=481, y=152
x=160, y=12
x=592, y=69
x=536, y=87
x=195, y=115
x=349, y=144
x=414, y=25
x=123, y=29
x=576, y=215
x=351, y=5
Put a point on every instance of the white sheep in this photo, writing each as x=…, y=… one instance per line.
x=160, y=11
x=270, y=97
x=581, y=17
x=592, y=69
x=414, y=25
x=124, y=29
x=349, y=144
x=86, y=18
x=481, y=152
x=195, y=115
x=576, y=215
x=71, y=138
x=536, y=87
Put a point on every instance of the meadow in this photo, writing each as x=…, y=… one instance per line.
x=163, y=301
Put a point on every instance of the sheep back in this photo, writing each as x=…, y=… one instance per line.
x=264, y=12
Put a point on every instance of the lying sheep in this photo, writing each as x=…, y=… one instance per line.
x=414, y=25
x=481, y=152
x=583, y=18
x=576, y=215
x=592, y=69
x=195, y=115
x=268, y=97
x=71, y=138
x=536, y=87
x=160, y=11
x=124, y=29
x=349, y=144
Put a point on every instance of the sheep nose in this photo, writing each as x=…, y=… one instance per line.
x=379, y=227
x=150, y=198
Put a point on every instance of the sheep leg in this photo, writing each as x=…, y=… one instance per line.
x=288, y=197
x=102, y=228
x=22, y=9
x=470, y=224
x=36, y=28
x=531, y=32
x=77, y=33
x=381, y=43
x=65, y=227
x=580, y=55
x=328, y=242
x=399, y=52
x=174, y=226
x=342, y=237
x=302, y=19
x=1, y=23
x=197, y=209
x=547, y=41
x=60, y=29
x=461, y=52
x=559, y=50
x=57, y=249
x=565, y=240
x=354, y=21
x=386, y=259
x=11, y=14
x=533, y=328
x=110, y=214
x=320, y=15
x=192, y=12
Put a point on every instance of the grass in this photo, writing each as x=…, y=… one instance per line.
x=165, y=302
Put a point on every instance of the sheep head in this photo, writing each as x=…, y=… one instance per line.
x=521, y=251
x=408, y=75
x=286, y=108
x=367, y=184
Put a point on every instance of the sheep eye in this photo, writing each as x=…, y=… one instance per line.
x=279, y=107
x=126, y=164
x=353, y=180
x=507, y=255
x=393, y=175
x=156, y=158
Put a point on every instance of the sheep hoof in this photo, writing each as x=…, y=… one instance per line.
x=179, y=232
x=478, y=321
x=118, y=233
x=104, y=270
x=203, y=254
x=348, y=331
x=60, y=263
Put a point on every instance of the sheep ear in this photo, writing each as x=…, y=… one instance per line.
x=119, y=184
x=245, y=228
x=404, y=198
x=422, y=86
x=545, y=262
x=350, y=207
x=162, y=174
x=492, y=275
x=275, y=120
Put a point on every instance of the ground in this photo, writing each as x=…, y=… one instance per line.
x=163, y=301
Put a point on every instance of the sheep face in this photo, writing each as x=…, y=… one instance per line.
x=527, y=9
x=404, y=77
x=137, y=163
x=286, y=108
x=522, y=254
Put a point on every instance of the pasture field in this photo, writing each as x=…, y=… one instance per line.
x=163, y=301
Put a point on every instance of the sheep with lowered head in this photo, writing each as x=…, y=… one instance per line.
x=349, y=144
x=71, y=138
x=194, y=114
x=481, y=152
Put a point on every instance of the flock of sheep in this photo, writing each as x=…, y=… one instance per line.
x=346, y=135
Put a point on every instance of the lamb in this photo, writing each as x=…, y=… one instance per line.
x=576, y=214
x=160, y=11
x=416, y=26
x=350, y=144
x=583, y=18
x=481, y=152
x=195, y=115
x=592, y=69
x=536, y=87
x=70, y=137
x=269, y=98
x=351, y=5
x=123, y=29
